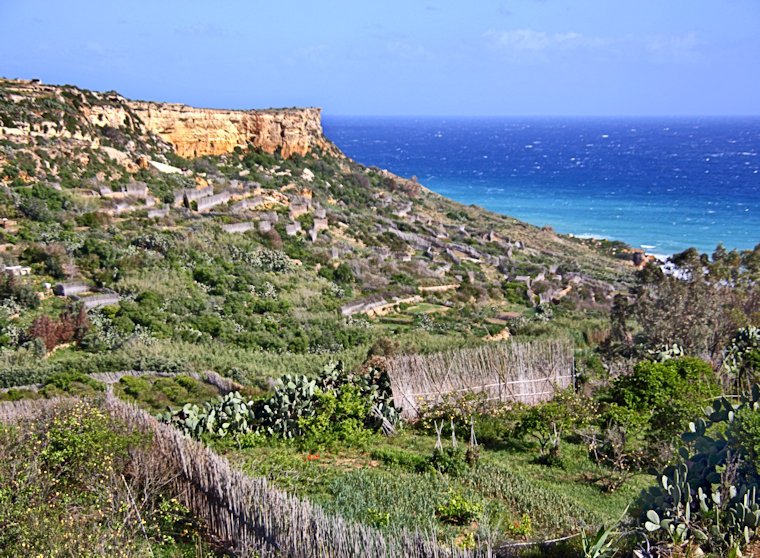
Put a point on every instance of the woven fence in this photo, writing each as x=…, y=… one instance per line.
x=224, y=385
x=259, y=519
x=31, y=409
x=528, y=372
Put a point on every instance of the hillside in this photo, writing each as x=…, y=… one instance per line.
x=201, y=237
x=221, y=336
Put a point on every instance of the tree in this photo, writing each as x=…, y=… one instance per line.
x=701, y=304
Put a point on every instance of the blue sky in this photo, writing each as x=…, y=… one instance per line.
x=510, y=57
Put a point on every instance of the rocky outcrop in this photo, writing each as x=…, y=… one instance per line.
x=194, y=132
x=29, y=109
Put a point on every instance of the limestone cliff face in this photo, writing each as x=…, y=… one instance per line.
x=194, y=132
x=31, y=109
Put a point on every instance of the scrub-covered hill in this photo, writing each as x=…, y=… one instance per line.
x=142, y=235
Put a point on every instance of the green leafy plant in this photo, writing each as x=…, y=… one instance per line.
x=600, y=545
x=521, y=528
x=708, y=499
x=458, y=510
x=293, y=401
x=227, y=415
x=378, y=518
x=449, y=461
x=741, y=362
x=668, y=393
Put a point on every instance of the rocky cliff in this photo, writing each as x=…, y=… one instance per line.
x=194, y=132
x=31, y=109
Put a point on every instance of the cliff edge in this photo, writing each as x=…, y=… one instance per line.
x=32, y=109
x=195, y=132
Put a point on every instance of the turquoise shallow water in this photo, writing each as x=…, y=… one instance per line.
x=660, y=184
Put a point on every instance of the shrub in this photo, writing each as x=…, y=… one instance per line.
x=452, y=407
x=67, y=486
x=338, y=418
x=670, y=393
x=342, y=274
x=744, y=436
x=516, y=293
x=80, y=447
x=619, y=445
x=492, y=429
x=14, y=289
x=547, y=422
x=458, y=510
x=521, y=528
x=741, y=363
x=449, y=461
x=72, y=382
x=70, y=326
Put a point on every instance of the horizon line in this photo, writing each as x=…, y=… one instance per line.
x=325, y=112
x=539, y=116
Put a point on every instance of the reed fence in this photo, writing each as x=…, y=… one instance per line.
x=524, y=371
x=224, y=385
x=31, y=409
x=257, y=518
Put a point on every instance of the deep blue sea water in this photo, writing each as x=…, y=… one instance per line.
x=661, y=184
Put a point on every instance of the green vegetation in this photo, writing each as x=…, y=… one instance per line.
x=393, y=270
x=710, y=500
x=337, y=408
x=157, y=393
x=69, y=484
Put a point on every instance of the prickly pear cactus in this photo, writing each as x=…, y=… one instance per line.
x=293, y=399
x=226, y=415
x=707, y=500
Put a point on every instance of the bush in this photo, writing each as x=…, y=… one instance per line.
x=521, y=528
x=547, y=422
x=342, y=274
x=339, y=418
x=670, y=393
x=70, y=326
x=741, y=363
x=80, y=448
x=452, y=407
x=72, y=383
x=492, y=429
x=449, y=461
x=459, y=510
x=516, y=293
x=22, y=293
x=67, y=481
x=744, y=436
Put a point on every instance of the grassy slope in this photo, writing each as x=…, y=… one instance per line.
x=380, y=485
x=194, y=300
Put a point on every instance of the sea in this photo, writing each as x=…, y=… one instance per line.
x=661, y=184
